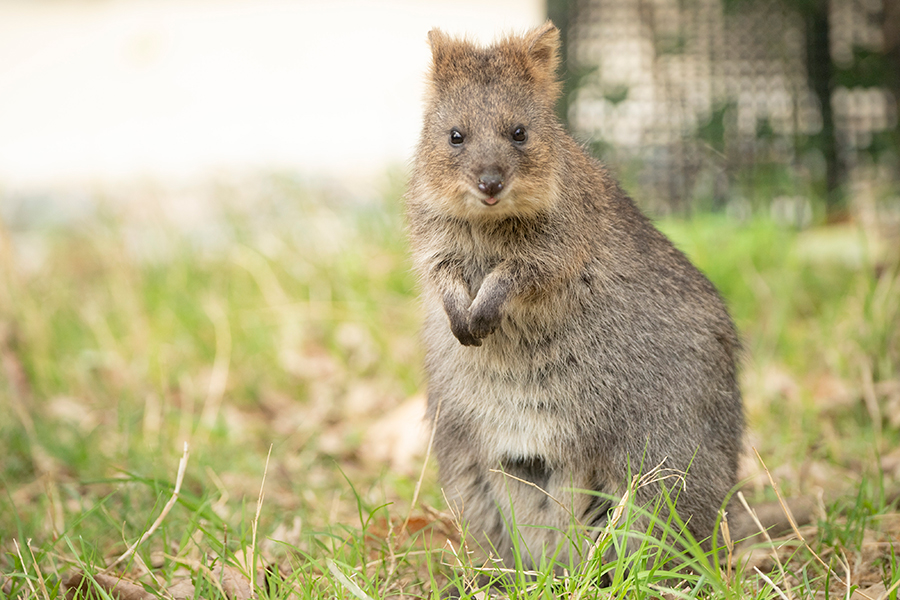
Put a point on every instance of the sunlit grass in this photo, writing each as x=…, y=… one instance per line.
x=287, y=318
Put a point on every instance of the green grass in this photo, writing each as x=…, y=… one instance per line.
x=287, y=319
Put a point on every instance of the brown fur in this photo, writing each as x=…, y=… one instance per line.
x=567, y=341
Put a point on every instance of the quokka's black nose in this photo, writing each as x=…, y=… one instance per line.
x=490, y=183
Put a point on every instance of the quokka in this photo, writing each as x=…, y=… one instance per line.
x=568, y=342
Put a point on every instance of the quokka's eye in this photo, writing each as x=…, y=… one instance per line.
x=456, y=137
x=519, y=134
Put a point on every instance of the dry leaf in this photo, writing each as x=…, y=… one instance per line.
x=358, y=346
x=773, y=518
x=778, y=382
x=236, y=586
x=182, y=589
x=284, y=535
x=874, y=592
x=833, y=393
x=758, y=557
x=80, y=584
x=890, y=391
x=398, y=438
x=75, y=411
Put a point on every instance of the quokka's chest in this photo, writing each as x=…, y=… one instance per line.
x=515, y=411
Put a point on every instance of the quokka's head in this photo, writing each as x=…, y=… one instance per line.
x=490, y=133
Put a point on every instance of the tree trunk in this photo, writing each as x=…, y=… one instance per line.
x=560, y=12
x=820, y=72
x=891, y=28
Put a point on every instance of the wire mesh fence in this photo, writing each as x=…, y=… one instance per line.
x=739, y=103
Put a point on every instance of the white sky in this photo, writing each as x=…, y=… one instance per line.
x=105, y=91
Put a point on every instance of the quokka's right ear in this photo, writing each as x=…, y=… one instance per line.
x=440, y=44
x=436, y=38
x=447, y=56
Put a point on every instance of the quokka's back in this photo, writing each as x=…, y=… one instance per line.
x=568, y=342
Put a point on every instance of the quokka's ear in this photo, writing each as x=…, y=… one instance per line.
x=542, y=44
x=440, y=44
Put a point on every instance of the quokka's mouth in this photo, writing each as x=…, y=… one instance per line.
x=490, y=200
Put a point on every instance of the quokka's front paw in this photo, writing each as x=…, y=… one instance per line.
x=462, y=333
x=457, y=309
x=484, y=319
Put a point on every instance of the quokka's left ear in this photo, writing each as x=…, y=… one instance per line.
x=542, y=44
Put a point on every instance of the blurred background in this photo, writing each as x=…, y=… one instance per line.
x=201, y=239
x=701, y=105
x=741, y=104
x=99, y=92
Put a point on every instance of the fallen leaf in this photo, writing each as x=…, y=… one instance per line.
x=85, y=588
x=778, y=383
x=870, y=593
x=890, y=463
x=398, y=438
x=72, y=410
x=833, y=393
x=890, y=391
x=236, y=586
x=182, y=590
x=284, y=535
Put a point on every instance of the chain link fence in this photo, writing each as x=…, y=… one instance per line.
x=737, y=104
